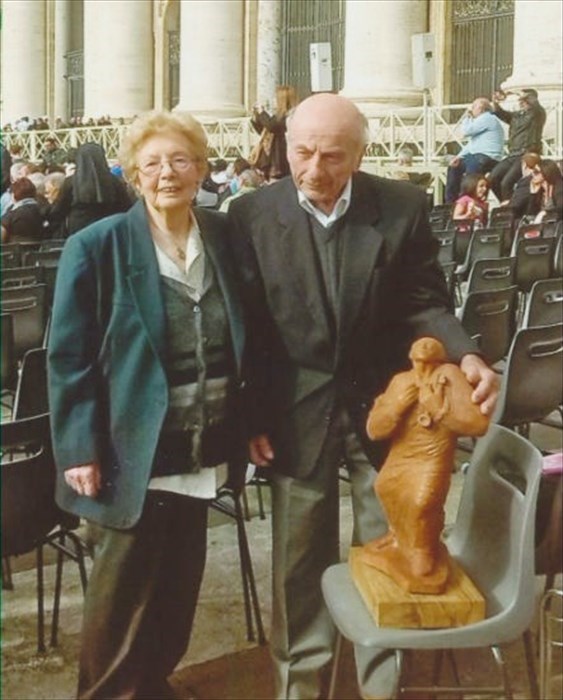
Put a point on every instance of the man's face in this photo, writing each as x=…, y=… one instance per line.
x=323, y=152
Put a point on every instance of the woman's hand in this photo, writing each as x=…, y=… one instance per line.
x=85, y=479
x=261, y=452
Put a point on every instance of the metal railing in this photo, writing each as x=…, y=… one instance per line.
x=432, y=132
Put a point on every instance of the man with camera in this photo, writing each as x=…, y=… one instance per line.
x=483, y=150
x=524, y=136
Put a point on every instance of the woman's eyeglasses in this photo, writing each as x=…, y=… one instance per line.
x=179, y=164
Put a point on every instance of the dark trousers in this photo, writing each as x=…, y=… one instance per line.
x=470, y=163
x=141, y=600
x=504, y=176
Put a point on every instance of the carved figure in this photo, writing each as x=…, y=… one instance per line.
x=423, y=411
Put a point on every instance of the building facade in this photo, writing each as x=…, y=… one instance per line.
x=216, y=58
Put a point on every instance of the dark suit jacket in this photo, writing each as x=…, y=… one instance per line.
x=391, y=291
x=107, y=386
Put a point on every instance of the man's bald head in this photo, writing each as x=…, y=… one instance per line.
x=326, y=139
x=330, y=113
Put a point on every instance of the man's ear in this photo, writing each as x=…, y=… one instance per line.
x=360, y=158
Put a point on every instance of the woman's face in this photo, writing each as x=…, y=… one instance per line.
x=168, y=177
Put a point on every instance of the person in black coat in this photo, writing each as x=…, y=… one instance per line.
x=338, y=273
x=24, y=221
x=91, y=193
x=271, y=153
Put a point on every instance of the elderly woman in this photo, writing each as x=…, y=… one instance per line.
x=144, y=354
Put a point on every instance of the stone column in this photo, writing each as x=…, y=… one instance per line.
x=211, y=55
x=268, y=51
x=118, y=57
x=377, y=58
x=537, y=48
x=23, y=59
x=62, y=44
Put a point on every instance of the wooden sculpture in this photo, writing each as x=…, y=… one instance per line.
x=422, y=412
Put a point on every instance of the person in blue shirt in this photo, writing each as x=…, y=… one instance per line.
x=483, y=150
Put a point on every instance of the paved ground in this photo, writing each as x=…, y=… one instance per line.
x=221, y=662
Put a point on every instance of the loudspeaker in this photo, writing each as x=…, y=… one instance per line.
x=423, y=60
x=321, y=66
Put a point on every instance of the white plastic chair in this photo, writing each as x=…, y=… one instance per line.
x=493, y=541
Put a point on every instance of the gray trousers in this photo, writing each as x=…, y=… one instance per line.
x=141, y=600
x=305, y=515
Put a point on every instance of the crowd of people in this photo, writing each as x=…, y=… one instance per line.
x=185, y=343
x=44, y=123
x=517, y=175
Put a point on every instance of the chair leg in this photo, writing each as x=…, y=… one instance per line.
x=245, y=506
x=529, y=651
x=451, y=659
x=499, y=659
x=249, y=582
x=7, y=583
x=57, y=599
x=335, y=664
x=261, y=510
x=40, y=606
x=79, y=558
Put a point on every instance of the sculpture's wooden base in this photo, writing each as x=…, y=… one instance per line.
x=460, y=604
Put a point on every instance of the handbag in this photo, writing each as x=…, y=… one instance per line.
x=260, y=153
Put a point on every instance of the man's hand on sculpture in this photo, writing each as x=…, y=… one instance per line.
x=261, y=452
x=485, y=381
x=85, y=479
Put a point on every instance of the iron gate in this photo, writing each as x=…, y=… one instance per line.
x=482, y=47
x=305, y=22
x=75, y=77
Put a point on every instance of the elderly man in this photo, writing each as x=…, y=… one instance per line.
x=483, y=150
x=338, y=272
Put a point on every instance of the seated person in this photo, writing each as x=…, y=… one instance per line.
x=248, y=181
x=24, y=221
x=542, y=198
x=517, y=201
x=472, y=204
x=405, y=160
x=483, y=149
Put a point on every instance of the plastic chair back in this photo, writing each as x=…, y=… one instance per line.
x=534, y=261
x=10, y=255
x=22, y=276
x=532, y=383
x=49, y=260
x=544, y=305
x=558, y=257
x=31, y=397
x=489, y=274
x=493, y=536
x=9, y=361
x=29, y=511
x=491, y=316
x=28, y=306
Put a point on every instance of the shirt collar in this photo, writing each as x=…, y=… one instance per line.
x=194, y=273
x=340, y=208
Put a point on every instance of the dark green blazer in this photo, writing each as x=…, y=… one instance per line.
x=108, y=391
